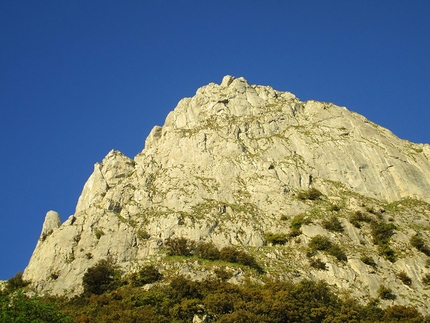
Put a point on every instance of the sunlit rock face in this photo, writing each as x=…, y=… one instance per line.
x=227, y=166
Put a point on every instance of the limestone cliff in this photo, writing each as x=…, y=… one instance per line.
x=228, y=166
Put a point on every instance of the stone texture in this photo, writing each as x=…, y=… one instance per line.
x=52, y=222
x=226, y=167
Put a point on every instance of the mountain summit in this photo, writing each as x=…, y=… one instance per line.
x=242, y=165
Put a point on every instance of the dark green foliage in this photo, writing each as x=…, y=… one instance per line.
x=222, y=274
x=381, y=233
x=334, y=208
x=404, y=278
x=317, y=264
x=273, y=302
x=337, y=252
x=320, y=242
x=180, y=247
x=99, y=233
x=310, y=194
x=276, y=238
x=418, y=242
x=19, y=308
x=372, y=311
x=16, y=282
x=102, y=277
x=368, y=261
x=297, y=221
x=386, y=252
x=333, y=224
x=143, y=234
x=146, y=275
x=426, y=279
x=294, y=233
x=181, y=288
x=232, y=254
x=207, y=251
x=385, y=292
x=359, y=217
x=398, y=313
x=229, y=254
x=323, y=243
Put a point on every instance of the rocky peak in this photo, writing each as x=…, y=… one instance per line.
x=52, y=222
x=228, y=166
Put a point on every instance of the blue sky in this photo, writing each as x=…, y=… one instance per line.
x=79, y=78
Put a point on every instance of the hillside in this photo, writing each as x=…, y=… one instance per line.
x=310, y=190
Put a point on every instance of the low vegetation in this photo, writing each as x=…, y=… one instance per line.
x=323, y=243
x=332, y=224
x=418, y=242
x=381, y=234
x=101, y=278
x=311, y=194
x=181, y=300
x=358, y=217
x=208, y=251
x=317, y=264
x=276, y=238
x=404, y=278
x=368, y=261
x=298, y=221
x=180, y=247
x=386, y=293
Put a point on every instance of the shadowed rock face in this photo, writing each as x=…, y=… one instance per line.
x=226, y=167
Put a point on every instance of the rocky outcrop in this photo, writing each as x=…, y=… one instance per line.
x=227, y=166
x=52, y=222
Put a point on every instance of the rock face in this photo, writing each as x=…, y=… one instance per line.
x=228, y=166
x=52, y=222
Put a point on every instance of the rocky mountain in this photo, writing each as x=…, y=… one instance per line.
x=249, y=166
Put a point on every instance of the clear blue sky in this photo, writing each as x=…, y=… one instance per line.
x=79, y=78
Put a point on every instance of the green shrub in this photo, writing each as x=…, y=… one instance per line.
x=381, y=234
x=229, y=254
x=298, y=221
x=143, y=234
x=276, y=238
x=426, y=279
x=99, y=233
x=222, y=274
x=358, y=217
x=294, y=233
x=323, y=243
x=334, y=208
x=333, y=224
x=182, y=287
x=16, y=282
x=20, y=308
x=146, y=275
x=385, y=292
x=386, y=252
x=232, y=254
x=337, y=252
x=207, y=251
x=102, y=277
x=418, y=242
x=404, y=278
x=368, y=261
x=180, y=247
x=317, y=264
x=320, y=242
x=310, y=194
x=400, y=313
